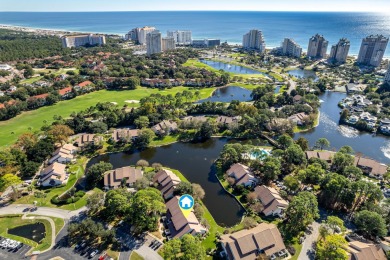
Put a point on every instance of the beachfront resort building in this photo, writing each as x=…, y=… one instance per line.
x=153, y=42
x=83, y=40
x=291, y=48
x=317, y=48
x=139, y=34
x=182, y=37
x=372, y=50
x=254, y=40
x=168, y=43
x=339, y=51
x=387, y=76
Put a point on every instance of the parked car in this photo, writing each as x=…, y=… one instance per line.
x=94, y=252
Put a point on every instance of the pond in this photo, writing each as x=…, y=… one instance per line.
x=299, y=73
x=228, y=94
x=195, y=161
x=277, y=89
x=376, y=147
x=35, y=232
x=237, y=69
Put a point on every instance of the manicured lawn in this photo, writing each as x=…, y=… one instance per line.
x=11, y=129
x=166, y=140
x=78, y=170
x=298, y=248
x=135, y=256
x=11, y=221
x=113, y=254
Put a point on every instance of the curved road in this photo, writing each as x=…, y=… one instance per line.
x=43, y=211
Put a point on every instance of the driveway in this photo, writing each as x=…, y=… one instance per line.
x=307, y=244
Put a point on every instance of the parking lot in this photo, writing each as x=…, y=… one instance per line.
x=17, y=252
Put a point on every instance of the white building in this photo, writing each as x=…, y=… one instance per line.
x=153, y=42
x=372, y=50
x=339, y=51
x=53, y=175
x=83, y=40
x=181, y=37
x=143, y=32
x=254, y=40
x=168, y=43
x=64, y=154
x=317, y=47
x=387, y=76
x=291, y=48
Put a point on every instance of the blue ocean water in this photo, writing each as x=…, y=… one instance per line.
x=228, y=26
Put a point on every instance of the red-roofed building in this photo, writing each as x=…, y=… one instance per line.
x=41, y=96
x=84, y=86
x=65, y=92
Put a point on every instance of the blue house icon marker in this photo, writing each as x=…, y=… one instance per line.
x=186, y=202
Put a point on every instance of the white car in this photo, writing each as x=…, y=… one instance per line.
x=95, y=252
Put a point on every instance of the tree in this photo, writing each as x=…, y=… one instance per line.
x=301, y=212
x=197, y=191
x=95, y=173
x=322, y=143
x=294, y=155
x=142, y=163
x=249, y=222
x=353, y=173
x=157, y=166
x=29, y=168
x=184, y=188
x=335, y=223
x=8, y=180
x=270, y=169
x=186, y=248
x=370, y=224
x=313, y=174
x=205, y=132
x=117, y=203
x=346, y=149
x=303, y=143
x=145, y=136
x=95, y=202
x=146, y=207
x=60, y=133
x=142, y=122
x=332, y=248
x=142, y=183
x=291, y=182
x=285, y=141
x=340, y=161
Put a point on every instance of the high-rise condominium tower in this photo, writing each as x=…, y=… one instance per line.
x=372, y=50
x=317, y=47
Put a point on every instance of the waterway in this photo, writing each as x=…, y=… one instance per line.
x=228, y=94
x=299, y=73
x=237, y=69
x=195, y=161
x=375, y=147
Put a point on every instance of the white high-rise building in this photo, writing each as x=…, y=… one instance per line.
x=182, y=37
x=254, y=40
x=153, y=42
x=317, y=47
x=139, y=34
x=168, y=43
x=372, y=50
x=339, y=51
x=83, y=40
x=387, y=76
x=291, y=48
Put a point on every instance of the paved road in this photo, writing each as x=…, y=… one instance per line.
x=43, y=211
x=15, y=255
x=307, y=244
x=293, y=85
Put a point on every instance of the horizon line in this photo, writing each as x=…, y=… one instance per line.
x=253, y=11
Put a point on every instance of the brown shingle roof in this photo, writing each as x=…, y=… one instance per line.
x=371, y=166
x=124, y=133
x=245, y=244
x=364, y=251
x=270, y=198
x=167, y=182
x=114, y=178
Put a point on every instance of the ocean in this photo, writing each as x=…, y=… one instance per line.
x=227, y=26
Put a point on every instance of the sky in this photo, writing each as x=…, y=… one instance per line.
x=168, y=5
